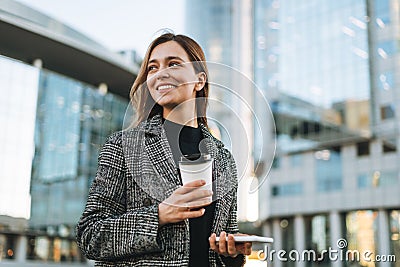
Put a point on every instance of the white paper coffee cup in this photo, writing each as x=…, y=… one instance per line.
x=197, y=167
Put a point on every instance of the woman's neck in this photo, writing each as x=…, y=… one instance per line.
x=181, y=115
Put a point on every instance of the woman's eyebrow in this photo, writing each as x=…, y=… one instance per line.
x=167, y=58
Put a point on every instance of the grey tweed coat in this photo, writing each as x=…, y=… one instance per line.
x=136, y=171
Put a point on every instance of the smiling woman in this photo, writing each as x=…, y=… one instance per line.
x=172, y=81
x=138, y=212
x=168, y=53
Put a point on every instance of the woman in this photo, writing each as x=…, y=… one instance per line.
x=138, y=213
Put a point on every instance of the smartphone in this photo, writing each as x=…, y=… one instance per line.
x=251, y=238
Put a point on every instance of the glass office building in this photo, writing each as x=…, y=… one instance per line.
x=72, y=122
x=331, y=74
x=62, y=95
x=331, y=71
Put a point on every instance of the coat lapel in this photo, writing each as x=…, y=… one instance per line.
x=221, y=182
x=160, y=155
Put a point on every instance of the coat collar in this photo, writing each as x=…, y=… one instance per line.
x=153, y=126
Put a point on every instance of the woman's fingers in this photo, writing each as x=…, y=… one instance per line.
x=213, y=243
x=222, y=244
x=193, y=214
x=230, y=247
x=185, y=203
x=188, y=187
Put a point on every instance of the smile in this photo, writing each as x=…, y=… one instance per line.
x=165, y=87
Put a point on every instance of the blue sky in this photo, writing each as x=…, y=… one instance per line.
x=116, y=24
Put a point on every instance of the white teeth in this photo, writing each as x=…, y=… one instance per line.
x=163, y=87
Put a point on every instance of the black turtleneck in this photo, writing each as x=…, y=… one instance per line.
x=186, y=140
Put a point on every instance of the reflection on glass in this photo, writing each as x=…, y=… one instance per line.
x=320, y=85
x=361, y=234
x=317, y=238
x=19, y=89
x=395, y=235
x=290, y=189
x=389, y=145
x=288, y=242
x=378, y=179
x=7, y=246
x=387, y=112
x=382, y=11
x=328, y=171
x=73, y=121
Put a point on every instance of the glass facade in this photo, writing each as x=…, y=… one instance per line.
x=317, y=237
x=395, y=235
x=53, y=127
x=288, y=241
x=330, y=71
x=214, y=33
x=290, y=189
x=311, y=58
x=361, y=234
x=328, y=171
x=73, y=121
x=19, y=90
x=214, y=30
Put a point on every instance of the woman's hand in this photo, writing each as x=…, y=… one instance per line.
x=229, y=248
x=184, y=203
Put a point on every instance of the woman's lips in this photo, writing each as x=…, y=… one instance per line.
x=165, y=87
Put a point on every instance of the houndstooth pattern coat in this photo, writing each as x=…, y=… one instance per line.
x=136, y=171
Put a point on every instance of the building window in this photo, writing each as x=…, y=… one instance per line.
x=389, y=146
x=276, y=163
x=387, y=112
x=387, y=49
x=395, y=233
x=317, y=236
x=363, y=149
x=291, y=189
x=382, y=12
x=359, y=225
x=377, y=179
x=363, y=181
x=288, y=242
x=328, y=170
x=296, y=160
x=7, y=246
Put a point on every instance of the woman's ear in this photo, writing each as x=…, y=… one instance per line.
x=202, y=78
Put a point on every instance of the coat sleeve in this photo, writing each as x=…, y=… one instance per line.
x=232, y=223
x=107, y=230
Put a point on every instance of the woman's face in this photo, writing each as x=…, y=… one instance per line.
x=171, y=78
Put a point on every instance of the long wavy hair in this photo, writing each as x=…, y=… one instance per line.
x=140, y=96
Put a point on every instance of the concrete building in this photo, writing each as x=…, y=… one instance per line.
x=62, y=95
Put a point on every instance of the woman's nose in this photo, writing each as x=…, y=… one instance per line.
x=163, y=73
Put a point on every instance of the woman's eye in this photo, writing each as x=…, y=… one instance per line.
x=174, y=64
x=151, y=67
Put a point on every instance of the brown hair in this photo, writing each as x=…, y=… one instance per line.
x=140, y=95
